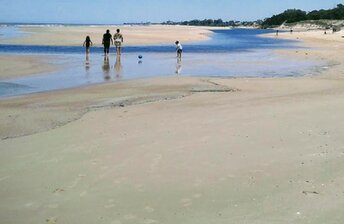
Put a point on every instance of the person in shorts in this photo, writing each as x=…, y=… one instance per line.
x=107, y=40
x=179, y=49
x=118, y=38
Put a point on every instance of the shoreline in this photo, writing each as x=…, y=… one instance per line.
x=318, y=46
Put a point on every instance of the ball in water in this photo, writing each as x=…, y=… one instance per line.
x=140, y=57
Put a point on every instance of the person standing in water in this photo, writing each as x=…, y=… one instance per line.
x=87, y=44
x=118, y=38
x=107, y=40
x=179, y=49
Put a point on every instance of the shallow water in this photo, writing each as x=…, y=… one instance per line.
x=230, y=53
x=9, y=32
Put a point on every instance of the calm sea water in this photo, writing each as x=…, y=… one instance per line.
x=229, y=53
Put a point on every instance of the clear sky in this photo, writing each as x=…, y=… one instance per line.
x=120, y=11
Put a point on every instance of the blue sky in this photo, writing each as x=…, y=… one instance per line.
x=120, y=11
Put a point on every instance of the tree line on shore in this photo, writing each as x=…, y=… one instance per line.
x=213, y=22
x=288, y=16
x=297, y=15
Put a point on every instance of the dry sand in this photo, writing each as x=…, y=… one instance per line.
x=180, y=150
x=133, y=35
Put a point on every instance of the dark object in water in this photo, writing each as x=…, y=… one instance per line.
x=140, y=57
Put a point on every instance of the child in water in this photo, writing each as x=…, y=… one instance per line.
x=179, y=49
x=88, y=44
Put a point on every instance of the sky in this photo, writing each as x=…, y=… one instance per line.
x=129, y=11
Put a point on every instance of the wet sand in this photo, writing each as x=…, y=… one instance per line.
x=133, y=35
x=179, y=150
x=14, y=66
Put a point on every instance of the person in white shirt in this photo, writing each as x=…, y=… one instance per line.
x=118, y=39
x=179, y=49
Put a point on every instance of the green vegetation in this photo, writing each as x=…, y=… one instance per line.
x=331, y=18
x=211, y=22
x=296, y=15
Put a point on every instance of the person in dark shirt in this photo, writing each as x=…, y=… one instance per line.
x=87, y=44
x=107, y=40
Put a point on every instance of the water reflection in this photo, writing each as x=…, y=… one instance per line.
x=87, y=63
x=140, y=59
x=118, y=67
x=179, y=66
x=261, y=63
x=106, y=68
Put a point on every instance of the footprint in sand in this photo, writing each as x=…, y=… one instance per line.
x=222, y=179
x=110, y=203
x=198, y=183
x=82, y=194
x=51, y=220
x=58, y=190
x=117, y=182
x=197, y=196
x=150, y=221
x=140, y=188
x=149, y=209
x=156, y=161
x=109, y=206
x=53, y=206
x=29, y=204
x=116, y=222
x=129, y=217
x=186, y=202
x=4, y=178
x=74, y=183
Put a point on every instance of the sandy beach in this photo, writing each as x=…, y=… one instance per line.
x=180, y=149
x=133, y=35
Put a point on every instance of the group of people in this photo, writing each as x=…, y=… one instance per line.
x=107, y=41
x=117, y=39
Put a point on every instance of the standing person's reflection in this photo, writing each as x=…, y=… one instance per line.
x=118, y=67
x=106, y=68
x=87, y=63
x=179, y=66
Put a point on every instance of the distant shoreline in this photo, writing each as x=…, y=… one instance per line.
x=74, y=35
